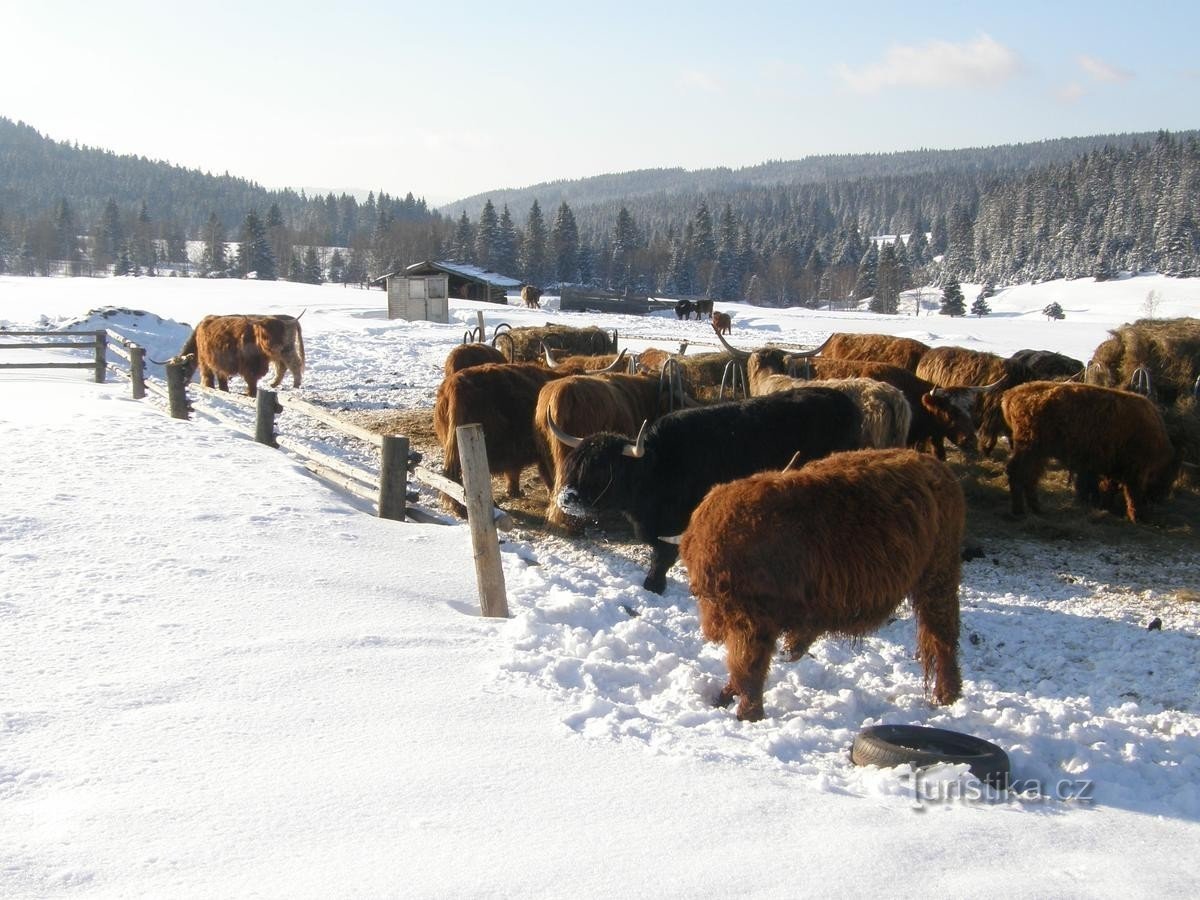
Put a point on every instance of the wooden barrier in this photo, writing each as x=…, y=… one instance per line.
x=477, y=485
x=97, y=340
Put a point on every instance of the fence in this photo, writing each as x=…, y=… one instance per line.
x=388, y=490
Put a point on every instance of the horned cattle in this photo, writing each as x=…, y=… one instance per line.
x=899, y=351
x=722, y=323
x=1046, y=365
x=684, y=309
x=658, y=481
x=464, y=356
x=281, y=340
x=1169, y=349
x=222, y=347
x=578, y=365
x=832, y=548
x=582, y=405
x=531, y=296
x=704, y=308
x=501, y=398
x=525, y=344
x=1099, y=434
x=949, y=367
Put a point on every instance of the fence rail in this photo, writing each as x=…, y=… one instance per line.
x=97, y=341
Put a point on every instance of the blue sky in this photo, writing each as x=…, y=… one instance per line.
x=451, y=99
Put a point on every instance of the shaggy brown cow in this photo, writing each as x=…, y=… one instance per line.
x=582, y=405
x=722, y=323
x=1169, y=349
x=224, y=346
x=937, y=415
x=580, y=365
x=1099, y=434
x=464, y=356
x=898, y=351
x=501, y=398
x=531, y=296
x=281, y=340
x=949, y=367
x=833, y=547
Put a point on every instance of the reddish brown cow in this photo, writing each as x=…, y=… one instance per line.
x=466, y=355
x=949, y=367
x=224, y=346
x=722, y=323
x=833, y=547
x=281, y=340
x=898, y=351
x=583, y=405
x=1095, y=432
x=531, y=296
x=501, y=398
x=938, y=415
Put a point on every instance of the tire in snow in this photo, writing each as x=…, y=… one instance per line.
x=893, y=745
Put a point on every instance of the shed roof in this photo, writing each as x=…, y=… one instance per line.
x=463, y=270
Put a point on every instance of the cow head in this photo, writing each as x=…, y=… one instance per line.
x=600, y=472
x=953, y=408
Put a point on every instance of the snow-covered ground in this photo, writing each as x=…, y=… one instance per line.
x=219, y=676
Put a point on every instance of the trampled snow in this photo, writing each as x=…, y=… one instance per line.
x=220, y=676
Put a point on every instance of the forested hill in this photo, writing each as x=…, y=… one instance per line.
x=621, y=188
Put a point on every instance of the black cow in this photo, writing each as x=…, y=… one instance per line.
x=684, y=309
x=657, y=482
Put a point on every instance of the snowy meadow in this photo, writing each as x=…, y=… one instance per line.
x=221, y=676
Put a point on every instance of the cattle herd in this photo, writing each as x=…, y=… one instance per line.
x=821, y=498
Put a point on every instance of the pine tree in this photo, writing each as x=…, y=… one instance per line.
x=254, y=250
x=980, y=306
x=145, y=255
x=624, y=245
x=953, y=302
x=533, y=249
x=486, y=236
x=1054, y=311
x=865, y=278
x=214, y=263
x=505, y=254
x=295, y=270
x=312, y=266
x=887, y=281
x=564, y=241
x=337, y=267
x=109, y=237
x=124, y=264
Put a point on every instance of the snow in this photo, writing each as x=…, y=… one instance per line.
x=220, y=676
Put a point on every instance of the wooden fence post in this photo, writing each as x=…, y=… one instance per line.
x=101, y=355
x=266, y=407
x=393, y=478
x=480, y=325
x=137, y=370
x=176, y=391
x=477, y=487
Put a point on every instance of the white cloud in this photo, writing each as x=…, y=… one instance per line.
x=694, y=79
x=1102, y=71
x=1070, y=93
x=980, y=62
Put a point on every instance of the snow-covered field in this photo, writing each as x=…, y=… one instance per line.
x=219, y=676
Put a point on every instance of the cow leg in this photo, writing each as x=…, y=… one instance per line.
x=206, y=377
x=223, y=383
x=662, y=557
x=935, y=608
x=512, y=480
x=748, y=649
x=1024, y=471
x=797, y=641
x=280, y=369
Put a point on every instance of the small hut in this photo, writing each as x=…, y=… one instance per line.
x=422, y=290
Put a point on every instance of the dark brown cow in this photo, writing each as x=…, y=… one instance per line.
x=722, y=323
x=583, y=405
x=937, y=415
x=531, y=296
x=1046, y=365
x=949, y=367
x=833, y=547
x=501, y=398
x=224, y=346
x=281, y=340
x=898, y=351
x=1098, y=433
x=464, y=356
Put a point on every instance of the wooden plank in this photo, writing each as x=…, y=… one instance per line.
x=333, y=463
x=85, y=365
x=89, y=336
x=414, y=513
x=46, y=345
x=477, y=484
x=349, y=485
x=331, y=420
x=455, y=492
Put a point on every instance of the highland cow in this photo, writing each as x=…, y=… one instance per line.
x=531, y=296
x=897, y=351
x=464, y=356
x=832, y=548
x=224, y=346
x=951, y=367
x=722, y=323
x=281, y=340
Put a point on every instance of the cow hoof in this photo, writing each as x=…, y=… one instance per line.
x=750, y=712
x=725, y=697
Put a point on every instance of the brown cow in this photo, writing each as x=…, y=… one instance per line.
x=722, y=323
x=938, y=415
x=1097, y=433
x=224, y=346
x=531, y=296
x=501, y=398
x=949, y=367
x=466, y=355
x=899, y=351
x=582, y=405
x=281, y=340
x=580, y=365
x=833, y=547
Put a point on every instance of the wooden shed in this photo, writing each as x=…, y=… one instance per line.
x=422, y=290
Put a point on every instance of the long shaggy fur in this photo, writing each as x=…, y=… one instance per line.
x=832, y=548
x=1099, y=434
x=281, y=341
x=957, y=366
x=897, y=351
x=464, y=356
x=224, y=346
x=1168, y=348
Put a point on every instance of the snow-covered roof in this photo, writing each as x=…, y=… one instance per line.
x=464, y=270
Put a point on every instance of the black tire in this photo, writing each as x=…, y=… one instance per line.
x=894, y=745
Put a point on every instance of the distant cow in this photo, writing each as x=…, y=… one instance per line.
x=531, y=296
x=949, y=367
x=832, y=548
x=501, y=398
x=899, y=351
x=722, y=323
x=282, y=341
x=684, y=309
x=464, y=356
x=1097, y=433
x=704, y=308
x=224, y=346
x=657, y=481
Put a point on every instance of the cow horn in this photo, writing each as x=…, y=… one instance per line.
x=1189, y=465
x=671, y=539
x=984, y=388
x=794, y=463
x=805, y=354
x=174, y=360
x=568, y=439
x=615, y=364
x=302, y=312
x=550, y=363
x=638, y=449
x=741, y=354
